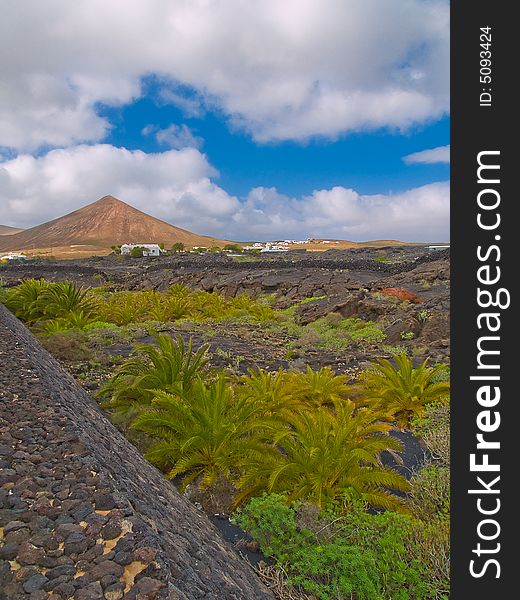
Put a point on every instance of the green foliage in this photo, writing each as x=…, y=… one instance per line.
x=269, y=390
x=179, y=302
x=53, y=307
x=311, y=299
x=394, y=350
x=349, y=554
x=335, y=333
x=178, y=247
x=137, y=252
x=204, y=431
x=171, y=365
x=326, y=454
x=233, y=248
x=443, y=374
x=320, y=387
x=434, y=429
x=407, y=335
x=402, y=392
x=430, y=493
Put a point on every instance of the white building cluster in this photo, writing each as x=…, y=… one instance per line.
x=279, y=246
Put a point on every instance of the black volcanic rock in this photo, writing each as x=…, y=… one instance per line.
x=45, y=414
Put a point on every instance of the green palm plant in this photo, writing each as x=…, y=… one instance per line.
x=210, y=305
x=270, y=391
x=58, y=300
x=170, y=365
x=203, y=433
x=243, y=301
x=325, y=456
x=38, y=301
x=123, y=308
x=75, y=319
x=402, y=392
x=179, y=290
x=22, y=300
x=320, y=387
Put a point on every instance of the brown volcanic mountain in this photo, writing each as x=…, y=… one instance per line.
x=102, y=224
x=6, y=230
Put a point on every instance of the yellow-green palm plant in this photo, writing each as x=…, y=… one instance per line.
x=204, y=433
x=123, y=308
x=39, y=301
x=328, y=455
x=320, y=387
x=73, y=320
x=22, y=300
x=179, y=290
x=170, y=365
x=402, y=392
x=58, y=300
x=271, y=391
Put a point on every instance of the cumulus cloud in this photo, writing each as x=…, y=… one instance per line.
x=178, y=186
x=176, y=137
x=34, y=189
x=431, y=156
x=279, y=70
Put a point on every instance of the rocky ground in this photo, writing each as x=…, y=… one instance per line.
x=349, y=282
x=82, y=514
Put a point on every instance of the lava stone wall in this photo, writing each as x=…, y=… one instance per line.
x=82, y=514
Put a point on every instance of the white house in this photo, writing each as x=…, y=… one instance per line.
x=269, y=247
x=148, y=249
x=12, y=256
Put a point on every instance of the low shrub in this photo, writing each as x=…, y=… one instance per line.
x=68, y=346
x=434, y=429
x=430, y=493
x=335, y=333
x=366, y=556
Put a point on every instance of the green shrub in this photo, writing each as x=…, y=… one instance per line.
x=335, y=333
x=407, y=335
x=69, y=345
x=53, y=307
x=369, y=556
x=137, y=252
x=434, y=429
x=430, y=493
x=203, y=431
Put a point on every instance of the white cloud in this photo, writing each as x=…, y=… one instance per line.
x=177, y=137
x=33, y=190
x=429, y=157
x=177, y=186
x=279, y=70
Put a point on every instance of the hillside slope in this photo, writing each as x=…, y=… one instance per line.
x=102, y=224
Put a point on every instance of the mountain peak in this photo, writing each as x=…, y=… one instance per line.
x=109, y=200
x=102, y=224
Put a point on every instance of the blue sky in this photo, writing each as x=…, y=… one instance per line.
x=261, y=120
x=370, y=162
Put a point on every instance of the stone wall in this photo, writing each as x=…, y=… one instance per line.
x=82, y=514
